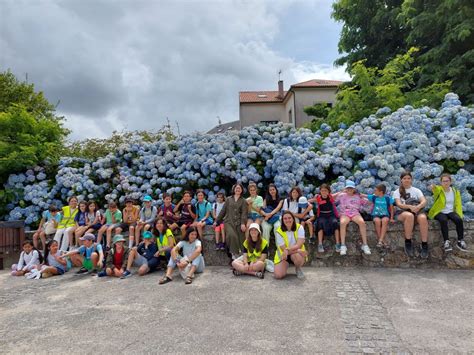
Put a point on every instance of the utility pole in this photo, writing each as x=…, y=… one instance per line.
x=177, y=126
x=219, y=120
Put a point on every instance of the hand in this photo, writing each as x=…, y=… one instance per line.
x=267, y=217
x=284, y=256
x=168, y=213
x=303, y=253
x=189, y=208
x=157, y=254
x=243, y=228
x=214, y=224
x=416, y=209
x=160, y=213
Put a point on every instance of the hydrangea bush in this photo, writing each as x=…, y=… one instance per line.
x=376, y=149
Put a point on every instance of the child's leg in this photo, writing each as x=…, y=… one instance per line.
x=131, y=258
x=310, y=227
x=320, y=236
x=35, y=239
x=362, y=227
x=95, y=259
x=42, y=236
x=109, y=235
x=222, y=233
x=337, y=235
x=109, y=271
x=138, y=230
x=199, y=226
x=281, y=270
x=239, y=265
x=384, y=228
x=218, y=234
x=192, y=270
x=344, y=222
x=183, y=231
x=257, y=266
x=118, y=272
x=100, y=233
x=378, y=227
x=143, y=270
x=70, y=235
x=131, y=234
x=76, y=260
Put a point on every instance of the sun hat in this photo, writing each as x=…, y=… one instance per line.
x=255, y=226
x=350, y=184
x=302, y=202
x=147, y=198
x=118, y=238
x=147, y=235
x=87, y=236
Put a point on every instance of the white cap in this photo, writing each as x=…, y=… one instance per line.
x=255, y=226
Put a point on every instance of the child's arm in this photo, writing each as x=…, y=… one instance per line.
x=34, y=260
x=190, y=209
x=60, y=259
x=69, y=253
x=176, y=208
x=221, y=215
x=195, y=254
x=21, y=262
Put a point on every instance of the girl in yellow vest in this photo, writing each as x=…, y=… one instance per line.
x=67, y=225
x=164, y=239
x=290, y=238
x=252, y=262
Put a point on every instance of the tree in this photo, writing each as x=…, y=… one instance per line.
x=372, y=88
x=318, y=110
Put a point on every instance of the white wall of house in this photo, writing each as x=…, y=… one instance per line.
x=289, y=114
x=253, y=113
x=308, y=97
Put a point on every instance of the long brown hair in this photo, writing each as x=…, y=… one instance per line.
x=403, y=193
x=298, y=190
x=258, y=243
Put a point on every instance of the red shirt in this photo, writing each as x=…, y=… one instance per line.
x=118, y=259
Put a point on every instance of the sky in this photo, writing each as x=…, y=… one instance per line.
x=129, y=65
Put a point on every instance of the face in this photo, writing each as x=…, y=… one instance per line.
x=113, y=209
x=350, y=190
x=147, y=204
x=27, y=248
x=119, y=245
x=53, y=248
x=220, y=198
x=238, y=190
x=192, y=236
x=92, y=207
x=159, y=225
x=187, y=198
x=200, y=196
x=288, y=220
x=294, y=195
x=406, y=181
x=88, y=243
x=377, y=192
x=168, y=200
x=445, y=181
x=54, y=213
x=82, y=207
x=324, y=193
x=254, y=234
x=129, y=204
x=272, y=191
x=73, y=202
x=253, y=190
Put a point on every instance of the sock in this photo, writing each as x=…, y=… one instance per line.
x=424, y=245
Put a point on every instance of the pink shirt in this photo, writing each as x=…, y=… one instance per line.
x=349, y=205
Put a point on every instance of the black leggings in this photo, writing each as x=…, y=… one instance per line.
x=443, y=218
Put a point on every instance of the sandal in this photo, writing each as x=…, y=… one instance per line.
x=188, y=280
x=165, y=280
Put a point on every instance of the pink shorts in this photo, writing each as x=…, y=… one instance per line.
x=219, y=228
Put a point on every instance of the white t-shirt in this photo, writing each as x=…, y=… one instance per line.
x=291, y=237
x=188, y=248
x=413, y=196
x=217, y=207
x=449, y=202
x=293, y=208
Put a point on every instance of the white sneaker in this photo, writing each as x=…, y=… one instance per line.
x=343, y=250
x=365, y=248
x=38, y=275
x=30, y=275
x=299, y=273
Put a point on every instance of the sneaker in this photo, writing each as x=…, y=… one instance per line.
x=260, y=274
x=424, y=253
x=338, y=247
x=82, y=270
x=380, y=245
x=37, y=275
x=223, y=246
x=447, y=246
x=102, y=274
x=320, y=248
x=93, y=272
x=365, y=248
x=409, y=250
x=312, y=240
x=343, y=249
x=218, y=246
x=299, y=273
x=31, y=275
x=126, y=274
x=461, y=244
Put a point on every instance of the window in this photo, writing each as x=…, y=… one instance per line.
x=266, y=123
x=290, y=116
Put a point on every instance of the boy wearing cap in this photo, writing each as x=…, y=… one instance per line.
x=130, y=217
x=89, y=255
x=308, y=215
x=116, y=258
x=113, y=218
x=147, y=218
x=143, y=256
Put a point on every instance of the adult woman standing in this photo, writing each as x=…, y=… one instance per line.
x=448, y=206
x=234, y=215
x=271, y=211
x=290, y=240
x=410, y=202
x=67, y=225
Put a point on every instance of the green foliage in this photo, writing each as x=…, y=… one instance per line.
x=318, y=110
x=393, y=86
x=94, y=148
x=378, y=30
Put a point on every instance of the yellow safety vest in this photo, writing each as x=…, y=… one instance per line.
x=284, y=235
x=255, y=254
x=67, y=219
x=168, y=234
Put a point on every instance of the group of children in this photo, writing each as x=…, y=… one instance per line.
x=152, y=230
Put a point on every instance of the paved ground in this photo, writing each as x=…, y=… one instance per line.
x=333, y=310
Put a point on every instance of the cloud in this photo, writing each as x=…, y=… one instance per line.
x=130, y=65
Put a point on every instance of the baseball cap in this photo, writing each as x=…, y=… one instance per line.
x=350, y=184
x=255, y=226
x=303, y=202
x=87, y=236
x=147, y=198
x=147, y=235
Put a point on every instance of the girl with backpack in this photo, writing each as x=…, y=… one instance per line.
x=203, y=212
x=382, y=212
x=327, y=217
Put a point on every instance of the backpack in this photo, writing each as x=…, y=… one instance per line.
x=288, y=204
x=387, y=201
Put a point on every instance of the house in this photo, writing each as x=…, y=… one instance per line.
x=285, y=106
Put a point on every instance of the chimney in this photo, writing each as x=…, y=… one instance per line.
x=280, y=89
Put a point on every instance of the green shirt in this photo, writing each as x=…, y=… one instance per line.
x=117, y=215
x=256, y=203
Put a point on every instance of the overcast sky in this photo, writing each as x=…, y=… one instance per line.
x=115, y=65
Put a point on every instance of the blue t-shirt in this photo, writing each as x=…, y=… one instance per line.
x=81, y=218
x=380, y=205
x=49, y=216
x=202, y=208
x=87, y=252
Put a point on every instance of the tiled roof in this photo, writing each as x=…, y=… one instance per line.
x=260, y=96
x=317, y=83
x=225, y=127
